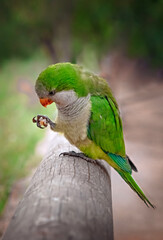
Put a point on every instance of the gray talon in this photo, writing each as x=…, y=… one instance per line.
x=37, y=119
x=34, y=119
x=81, y=155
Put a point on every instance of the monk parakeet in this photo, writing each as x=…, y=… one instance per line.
x=88, y=116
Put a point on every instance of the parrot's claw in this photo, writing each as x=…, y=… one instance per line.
x=81, y=155
x=43, y=121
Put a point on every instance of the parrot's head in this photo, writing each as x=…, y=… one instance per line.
x=60, y=83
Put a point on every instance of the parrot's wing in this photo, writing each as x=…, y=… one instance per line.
x=105, y=126
x=105, y=129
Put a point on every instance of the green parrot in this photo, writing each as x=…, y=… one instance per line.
x=88, y=116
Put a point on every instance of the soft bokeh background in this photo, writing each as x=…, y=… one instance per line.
x=121, y=41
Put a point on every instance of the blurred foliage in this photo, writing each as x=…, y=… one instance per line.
x=18, y=135
x=64, y=27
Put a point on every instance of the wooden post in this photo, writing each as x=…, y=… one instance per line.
x=67, y=199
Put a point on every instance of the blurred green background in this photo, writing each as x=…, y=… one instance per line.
x=108, y=37
x=63, y=28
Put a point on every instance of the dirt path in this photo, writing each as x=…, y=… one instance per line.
x=143, y=122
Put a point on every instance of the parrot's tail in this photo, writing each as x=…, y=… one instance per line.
x=131, y=182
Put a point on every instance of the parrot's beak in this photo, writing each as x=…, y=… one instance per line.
x=45, y=101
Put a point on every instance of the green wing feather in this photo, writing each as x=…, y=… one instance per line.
x=105, y=129
x=105, y=126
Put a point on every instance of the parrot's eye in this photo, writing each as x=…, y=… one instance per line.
x=51, y=93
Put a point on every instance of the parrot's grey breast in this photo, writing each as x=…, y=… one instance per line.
x=73, y=119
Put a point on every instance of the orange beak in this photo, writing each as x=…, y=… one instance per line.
x=45, y=101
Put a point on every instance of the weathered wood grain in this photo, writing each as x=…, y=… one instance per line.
x=68, y=198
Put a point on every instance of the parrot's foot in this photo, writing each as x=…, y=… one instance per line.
x=43, y=121
x=81, y=155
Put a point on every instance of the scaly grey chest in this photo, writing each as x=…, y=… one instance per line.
x=73, y=119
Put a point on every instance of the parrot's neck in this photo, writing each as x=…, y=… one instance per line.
x=73, y=109
x=64, y=98
x=73, y=119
